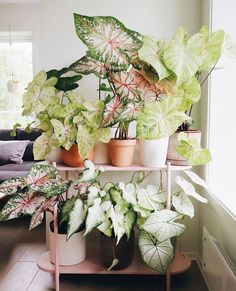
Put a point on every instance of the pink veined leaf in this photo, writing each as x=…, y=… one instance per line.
x=125, y=85
x=112, y=111
x=39, y=174
x=37, y=217
x=82, y=187
x=148, y=91
x=12, y=186
x=131, y=111
x=25, y=203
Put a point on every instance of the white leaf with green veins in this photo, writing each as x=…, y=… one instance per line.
x=95, y=216
x=152, y=53
x=157, y=255
x=155, y=194
x=189, y=189
x=129, y=192
x=196, y=179
x=85, y=140
x=160, y=119
x=103, y=134
x=118, y=222
x=183, y=204
x=77, y=217
x=147, y=200
x=183, y=56
x=161, y=224
x=190, y=149
x=93, y=193
x=106, y=226
x=130, y=218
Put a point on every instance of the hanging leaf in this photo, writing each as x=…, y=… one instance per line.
x=161, y=224
x=38, y=215
x=183, y=204
x=25, y=203
x=118, y=222
x=12, y=186
x=95, y=216
x=152, y=52
x=130, y=219
x=147, y=200
x=196, y=179
x=157, y=255
x=190, y=149
x=77, y=217
x=183, y=56
x=106, y=226
x=107, y=39
x=189, y=189
x=113, y=264
x=112, y=111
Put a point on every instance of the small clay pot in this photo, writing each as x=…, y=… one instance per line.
x=72, y=156
x=121, y=152
x=124, y=251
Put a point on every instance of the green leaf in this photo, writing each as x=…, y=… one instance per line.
x=152, y=52
x=183, y=204
x=92, y=194
x=113, y=264
x=66, y=209
x=107, y=39
x=189, y=189
x=85, y=140
x=190, y=149
x=130, y=218
x=40, y=173
x=12, y=186
x=160, y=119
x=118, y=222
x=157, y=255
x=183, y=56
x=161, y=224
x=52, y=187
x=77, y=217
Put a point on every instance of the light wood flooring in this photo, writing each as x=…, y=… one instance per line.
x=19, y=250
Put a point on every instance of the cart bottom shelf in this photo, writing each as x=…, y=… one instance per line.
x=92, y=265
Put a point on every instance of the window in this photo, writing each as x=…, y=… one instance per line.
x=15, y=73
x=222, y=109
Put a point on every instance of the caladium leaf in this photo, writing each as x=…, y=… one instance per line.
x=152, y=52
x=131, y=111
x=130, y=218
x=113, y=110
x=92, y=194
x=12, y=186
x=129, y=192
x=107, y=38
x=113, y=264
x=189, y=189
x=85, y=139
x=52, y=187
x=160, y=119
x=95, y=216
x=37, y=217
x=157, y=255
x=190, y=149
x=25, y=203
x=106, y=226
x=118, y=222
x=161, y=224
x=103, y=134
x=39, y=174
x=196, y=179
x=147, y=200
x=77, y=217
x=183, y=56
x=183, y=204
x=66, y=209
x=213, y=47
x=189, y=93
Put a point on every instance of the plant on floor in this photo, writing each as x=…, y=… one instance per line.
x=63, y=116
x=114, y=209
x=34, y=194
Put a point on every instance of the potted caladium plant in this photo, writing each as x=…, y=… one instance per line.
x=36, y=193
x=67, y=121
x=179, y=66
x=113, y=57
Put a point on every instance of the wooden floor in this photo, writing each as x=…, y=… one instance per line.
x=20, y=248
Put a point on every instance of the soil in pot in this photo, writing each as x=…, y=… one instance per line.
x=172, y=155
x=72, y=156
x=121, y=152
x=70, y=252
x=124, y=251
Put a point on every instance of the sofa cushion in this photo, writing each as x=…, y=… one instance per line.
x=5, y=175
x=25, y=166
x=5, y=135
x=28, y=154
x=12, y=151
x=32, y=136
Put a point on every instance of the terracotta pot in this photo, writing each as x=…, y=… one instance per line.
x=101, y=156
x=172, y=155
x=72, y=157
x=124, y=251
x=121, y=152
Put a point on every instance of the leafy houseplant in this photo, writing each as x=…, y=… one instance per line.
x=66, y=120
x=179, y=64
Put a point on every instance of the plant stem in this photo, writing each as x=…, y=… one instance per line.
x=209, y=73
x=99, y=91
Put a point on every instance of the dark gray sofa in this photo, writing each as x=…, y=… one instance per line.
x=13, y=170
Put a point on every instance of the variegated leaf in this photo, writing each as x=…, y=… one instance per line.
x=183, y=204
x=12, y=186
x=25, y=203
x=37, y=217
x=39, y=174
x=112, y=111
x=131, y=111
x=107, y=38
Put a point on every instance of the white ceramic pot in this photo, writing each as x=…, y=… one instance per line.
x=54, y=156
x=153, y=152
x=172, y=155
x=70, y=252
x=101, y=156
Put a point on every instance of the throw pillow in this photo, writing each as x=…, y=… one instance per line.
x=12, y=151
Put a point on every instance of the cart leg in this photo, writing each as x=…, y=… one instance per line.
x=56, y=248
x=168, y=277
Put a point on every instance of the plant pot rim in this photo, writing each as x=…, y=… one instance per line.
x=154, y=139
x=123, y=142
x=190, y=130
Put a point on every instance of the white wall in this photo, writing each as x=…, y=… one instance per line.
x=24, y=17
